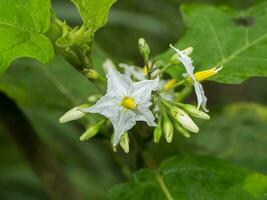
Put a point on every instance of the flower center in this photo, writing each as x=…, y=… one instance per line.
x=128, y=103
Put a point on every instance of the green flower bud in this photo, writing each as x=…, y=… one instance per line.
x=144, y=48
x=92, y=131
x=188, y=51
x=183, y=118
x=93, y=75
x=93, y=98
x=194, y=112
x=167, y=128
x=73, y=114
x=181, y=130
x=158, y=131
x=124, y=142
x=71, y=36
x=115, y=148
x=175, y=58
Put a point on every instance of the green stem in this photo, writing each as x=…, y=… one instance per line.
x=174, y=86
x=183, y=94
x=164, y=69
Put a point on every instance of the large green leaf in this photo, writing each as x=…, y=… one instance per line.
x=94, y=13
x=237, y=134
x=191, y=178
x=22, y=24
x=221, y=36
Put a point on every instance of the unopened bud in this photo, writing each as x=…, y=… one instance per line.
x=144, y=48
x=158, y=131
x=181, y=130
x=175, y=58
x=169, y=84
x=194, y=112
x=93, y=98
x=167, y=128
x=108, y=63
x=183, y=118
x=92, y=74
x=188, y=51
x=115, y=148
x=92, y=131
x=73, y=114
x=124, y=142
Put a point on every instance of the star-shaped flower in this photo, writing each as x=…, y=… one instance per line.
x=125, y=102
x=133, y=71
x=188, y=64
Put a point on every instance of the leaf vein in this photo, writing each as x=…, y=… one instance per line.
x=163, y=186
x=238, y=51
x=216, y=38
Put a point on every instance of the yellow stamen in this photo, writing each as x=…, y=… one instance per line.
x=128, y=103
x=169, y=84
x=205, y=74
x=145, y=70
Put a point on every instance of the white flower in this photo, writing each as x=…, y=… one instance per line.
x=137, y=72
x=188, y=64
x=133, y=71
x=125, y=102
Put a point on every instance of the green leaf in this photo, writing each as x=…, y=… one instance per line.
x=221, y=36
x=22, y=24
x=191, y=178
x=237, y=134
x=94, y=13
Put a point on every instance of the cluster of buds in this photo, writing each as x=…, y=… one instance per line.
x=177, y=116
x=130, y=95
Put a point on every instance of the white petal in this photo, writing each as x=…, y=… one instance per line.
x=133, y=71
x=106, y=105
x=144, y=114
x=122, y=122
x=142, y=89
x=107, y=64
x=187, y=62
x=119, y=85
x=201, y=98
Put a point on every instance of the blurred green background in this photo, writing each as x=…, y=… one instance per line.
x=237, y=131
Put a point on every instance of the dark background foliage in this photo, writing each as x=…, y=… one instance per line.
x=237, y=131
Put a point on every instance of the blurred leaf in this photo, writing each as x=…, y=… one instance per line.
x=44, y=93
x=22, y=24
x=238, y=134
x=221, y=36
x=191, y=178
x=18, y=182
x=94, y=13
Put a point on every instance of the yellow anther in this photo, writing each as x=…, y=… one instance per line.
x=169, y=84
x=145, y=70
x=128, y=103
x=203, y=75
